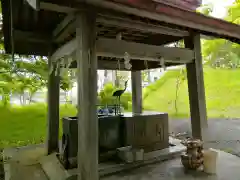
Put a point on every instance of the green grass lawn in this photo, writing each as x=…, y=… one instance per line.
x=222, y=94
x=24, y=125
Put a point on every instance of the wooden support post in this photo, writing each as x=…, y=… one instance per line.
x=136, y=92
x=53, y=110
x=196, y=89
x=87, y=96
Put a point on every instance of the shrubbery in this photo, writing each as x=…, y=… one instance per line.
x=105, y=97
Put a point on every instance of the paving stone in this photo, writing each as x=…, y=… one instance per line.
x=53, y=168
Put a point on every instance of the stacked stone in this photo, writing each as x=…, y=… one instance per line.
x=193, y=157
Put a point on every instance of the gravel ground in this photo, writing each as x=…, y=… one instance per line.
x=224, y=134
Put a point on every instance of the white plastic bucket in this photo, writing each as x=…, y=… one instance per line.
x=210, y=161
x=138, y=154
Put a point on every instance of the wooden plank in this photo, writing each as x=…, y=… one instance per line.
x=35, y=4
x=53, y=110
x=87, y=97
x=196, y=89
x=136, y=77
x=117, y=48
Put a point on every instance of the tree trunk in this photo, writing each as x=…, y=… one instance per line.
x=66, y=97
x=5, y=99
x=20, y=99
x=30, y=98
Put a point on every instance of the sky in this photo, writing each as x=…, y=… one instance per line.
x=219, y=10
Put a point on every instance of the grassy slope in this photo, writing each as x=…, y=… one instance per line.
x=222, y=94
x=26, y=125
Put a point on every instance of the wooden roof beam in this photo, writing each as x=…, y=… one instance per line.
x=140, y=26
x=137, y=51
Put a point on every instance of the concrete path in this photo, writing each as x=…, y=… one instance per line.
x=31, y=172
x=227, y=168
x=23, y=163
x=224, y=134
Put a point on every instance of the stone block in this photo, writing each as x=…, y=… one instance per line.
x=53, y=168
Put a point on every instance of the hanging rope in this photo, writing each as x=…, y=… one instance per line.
x=162, y=63
x=127, y=63
x=146, y=64
x=12, y=38
x=119, y=65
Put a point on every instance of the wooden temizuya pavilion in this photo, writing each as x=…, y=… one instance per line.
x=97, y=34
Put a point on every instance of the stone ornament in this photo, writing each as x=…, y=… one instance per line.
x=192, y=159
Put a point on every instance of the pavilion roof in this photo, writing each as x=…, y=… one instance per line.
x=44, y=29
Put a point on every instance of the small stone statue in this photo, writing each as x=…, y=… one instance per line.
x=192, y=159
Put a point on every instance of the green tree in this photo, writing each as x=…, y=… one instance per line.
x=25, y=73
x=220, y=53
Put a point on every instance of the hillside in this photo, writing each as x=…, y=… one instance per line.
x=222, y=88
